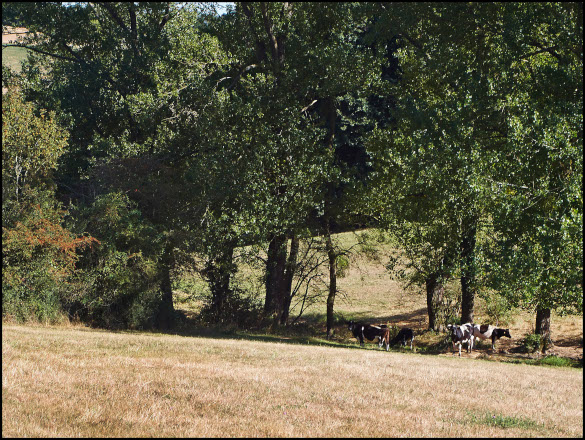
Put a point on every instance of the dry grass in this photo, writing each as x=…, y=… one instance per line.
x=79, y=382
x=71, y=381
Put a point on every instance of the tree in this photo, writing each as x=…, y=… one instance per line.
x=38, y=254
x=476, y=78
x=294, y=61
x=537, y=193
x=101, y=64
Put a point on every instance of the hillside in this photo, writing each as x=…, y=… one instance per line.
x=368, y=293
x=80, y=382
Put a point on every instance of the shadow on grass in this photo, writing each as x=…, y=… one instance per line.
x=307, y=333
x=411, y=319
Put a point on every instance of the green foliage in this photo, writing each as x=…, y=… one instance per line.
x=555, y=361
x=32, y=142
x=117, y=285
x=532, y=343
x=36, y=298
x=207, y=133
x=239, y=310
x=497, y=308
x=488, y=137
x=38, y=253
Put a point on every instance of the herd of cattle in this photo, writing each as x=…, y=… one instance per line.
x=460, y=334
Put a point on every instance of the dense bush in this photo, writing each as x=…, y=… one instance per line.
x=532, y=343
x=38, y=253
x=239, y=310
x=117, y=284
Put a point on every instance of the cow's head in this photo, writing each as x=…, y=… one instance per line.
x=506, y=332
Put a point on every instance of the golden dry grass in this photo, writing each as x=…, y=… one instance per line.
x=59, y=381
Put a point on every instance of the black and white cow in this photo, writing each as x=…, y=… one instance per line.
x=403, y=336
x=370, y=332
x=486, y=331
x=461, y=334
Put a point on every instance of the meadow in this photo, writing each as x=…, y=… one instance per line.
x=199, y=380
x=72, y=381
x=13, y=56
x=76, y=382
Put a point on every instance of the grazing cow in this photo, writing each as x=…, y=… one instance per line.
x=385, y=339
x=486, y=331
x=368, y=331
x=404, y=335
x=461, y=334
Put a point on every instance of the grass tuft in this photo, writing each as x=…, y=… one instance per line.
x=505, y=422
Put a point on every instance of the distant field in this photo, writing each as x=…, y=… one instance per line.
x=13, y=56
x=75, y=382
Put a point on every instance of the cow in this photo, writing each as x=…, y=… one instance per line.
x=370, y=332
x=486, y=331
x=461, y=334
x=385, y=339
x=404, y=335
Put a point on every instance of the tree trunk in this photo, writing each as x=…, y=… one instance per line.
x=164, y=319
x=468, y=278
x=218, y=274
x=290, y=269
x=275, y=268
x=435, y=291
x=332, y=280
x=543, y=327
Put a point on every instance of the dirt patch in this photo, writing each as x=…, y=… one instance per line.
x=13, y=34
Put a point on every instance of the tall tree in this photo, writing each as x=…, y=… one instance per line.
x=475, y=76
x=536, y=195
x=114, y=73
x=294, y=59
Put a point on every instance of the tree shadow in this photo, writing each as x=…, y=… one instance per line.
x=415, y=320
x=568, y=341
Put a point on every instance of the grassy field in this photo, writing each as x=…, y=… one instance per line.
x=13, y=56
x=72, y=381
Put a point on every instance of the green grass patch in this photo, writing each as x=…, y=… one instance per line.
x=13, y=57
x=556, y=361
x=504, y=422
x=552, y=361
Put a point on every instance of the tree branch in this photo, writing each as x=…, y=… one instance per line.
x=34, y=49
x=108, y=7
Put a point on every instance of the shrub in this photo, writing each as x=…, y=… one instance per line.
x=556, y=361
x=239, y=310
x=38, y=253
x=497, y=308
x=118, y=284
x=531, y=343
x=38, y=260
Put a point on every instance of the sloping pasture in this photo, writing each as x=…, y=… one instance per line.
x=80, y=382
x=368, y=292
